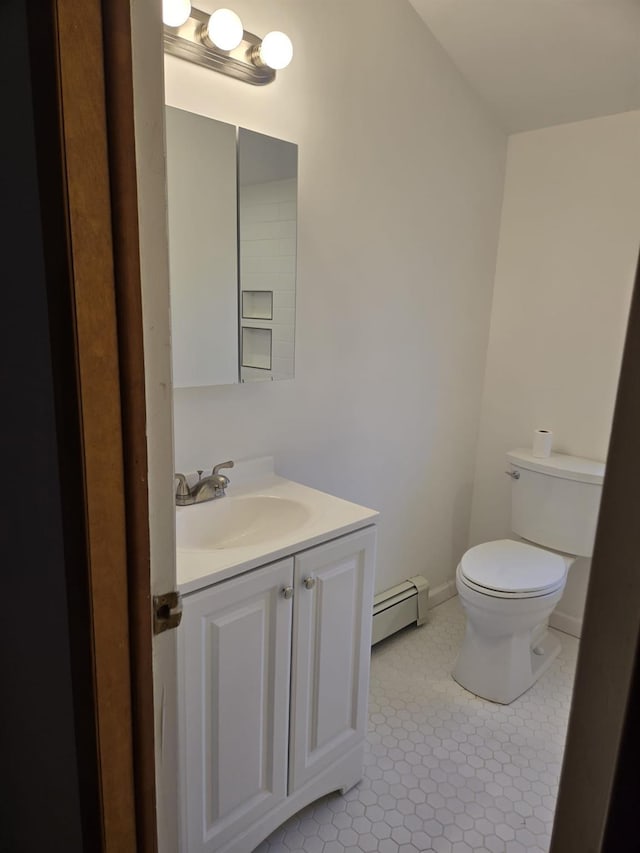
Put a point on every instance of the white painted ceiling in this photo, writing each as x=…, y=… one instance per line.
x=542, y=62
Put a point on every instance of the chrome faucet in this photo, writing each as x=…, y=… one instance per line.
x=206, y=489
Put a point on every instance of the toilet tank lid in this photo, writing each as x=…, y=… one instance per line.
x=559, y=465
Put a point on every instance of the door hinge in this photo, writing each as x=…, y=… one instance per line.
x=167, y=611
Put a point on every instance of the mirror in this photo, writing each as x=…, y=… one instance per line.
x=232, y=198
x=267, y=191
x=203, y=249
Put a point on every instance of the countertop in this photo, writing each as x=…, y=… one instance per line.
x=327, y=517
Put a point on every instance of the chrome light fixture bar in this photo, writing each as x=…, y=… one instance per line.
x=191, y=41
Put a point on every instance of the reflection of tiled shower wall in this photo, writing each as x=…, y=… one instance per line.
x=268, y=262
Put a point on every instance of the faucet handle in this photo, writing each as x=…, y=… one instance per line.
x=218, y=468
x=183, y=490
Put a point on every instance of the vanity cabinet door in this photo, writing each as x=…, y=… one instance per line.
x=235, y=647
x=331, y=653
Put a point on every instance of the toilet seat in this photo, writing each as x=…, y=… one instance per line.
x=508, y=569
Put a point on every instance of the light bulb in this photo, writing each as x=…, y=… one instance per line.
x=225, y=29
x=276, y=50
x=175, y=12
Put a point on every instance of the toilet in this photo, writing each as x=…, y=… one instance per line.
x=508, y=588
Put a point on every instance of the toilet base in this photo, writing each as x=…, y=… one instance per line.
x=501, y=669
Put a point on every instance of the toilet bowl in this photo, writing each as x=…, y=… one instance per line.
x=507, y=590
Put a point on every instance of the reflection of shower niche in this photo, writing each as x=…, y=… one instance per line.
x=256, y=347
x=232, y=197
x=257, y=305
x=267, y=180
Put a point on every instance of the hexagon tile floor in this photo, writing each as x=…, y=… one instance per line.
x=445, y=771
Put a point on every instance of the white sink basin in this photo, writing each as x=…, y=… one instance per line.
x=239, y=522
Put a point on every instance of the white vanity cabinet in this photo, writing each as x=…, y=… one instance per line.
x=236, y=651
x=331, y=650
x=275, y=673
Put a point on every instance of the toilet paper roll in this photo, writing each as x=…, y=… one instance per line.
x=542, y=442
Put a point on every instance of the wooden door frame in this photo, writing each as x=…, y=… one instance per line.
x=95, y=98
x=124, y=202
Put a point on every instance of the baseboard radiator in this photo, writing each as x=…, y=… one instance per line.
x=399, y=606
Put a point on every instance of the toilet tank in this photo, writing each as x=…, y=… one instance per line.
x=555, y=501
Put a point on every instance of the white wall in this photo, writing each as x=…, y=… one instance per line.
x=400, y=189
x=567, y=254
x=146, y=31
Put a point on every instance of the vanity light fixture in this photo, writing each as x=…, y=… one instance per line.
x=175, y=12
x=276, y=51
x=224, y=30
x=220, y=42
